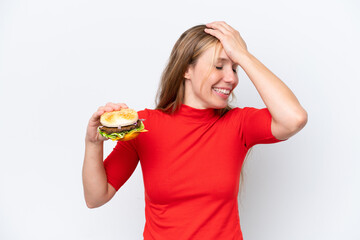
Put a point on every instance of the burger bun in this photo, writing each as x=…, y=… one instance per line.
x=123, y=117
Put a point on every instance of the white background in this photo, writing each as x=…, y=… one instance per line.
x=61, y=60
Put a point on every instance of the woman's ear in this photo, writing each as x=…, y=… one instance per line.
x=188, y=72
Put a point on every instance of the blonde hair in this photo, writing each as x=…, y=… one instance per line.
x=186, y=51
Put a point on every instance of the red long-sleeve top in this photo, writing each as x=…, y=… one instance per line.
x=191, y=163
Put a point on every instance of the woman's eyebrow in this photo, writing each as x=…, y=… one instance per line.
x=225, y=60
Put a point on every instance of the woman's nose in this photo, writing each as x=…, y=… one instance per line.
x=230, y=77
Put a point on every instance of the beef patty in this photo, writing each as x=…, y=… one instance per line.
x=110, y=130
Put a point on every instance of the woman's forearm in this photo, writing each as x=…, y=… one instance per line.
x=94, y=175
x=282, y=104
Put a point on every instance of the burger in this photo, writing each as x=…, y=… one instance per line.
x=122, y=125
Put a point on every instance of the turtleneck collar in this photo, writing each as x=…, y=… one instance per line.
x=195, y=114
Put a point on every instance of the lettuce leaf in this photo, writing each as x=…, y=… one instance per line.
x=122, y=134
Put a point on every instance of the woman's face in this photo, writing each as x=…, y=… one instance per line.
x=214, y=91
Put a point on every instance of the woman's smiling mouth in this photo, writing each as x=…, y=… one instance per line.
x=222, y=92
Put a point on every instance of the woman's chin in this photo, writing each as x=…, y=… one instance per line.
x=220, y=105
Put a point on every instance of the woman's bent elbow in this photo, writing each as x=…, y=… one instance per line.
x=95, y=202
x=93, y=205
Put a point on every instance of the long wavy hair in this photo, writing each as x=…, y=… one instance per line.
x=186, y=52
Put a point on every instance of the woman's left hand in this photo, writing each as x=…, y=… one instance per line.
x=230, y=39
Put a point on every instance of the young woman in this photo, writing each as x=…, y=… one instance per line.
x=192, y=154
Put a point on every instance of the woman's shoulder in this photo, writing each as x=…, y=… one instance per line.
x=238, y=113
x=154, y=120
x=241, y=110
x=150, y=113
x=234, y=111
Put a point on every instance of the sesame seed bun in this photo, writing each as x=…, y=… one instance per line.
x=124, y=117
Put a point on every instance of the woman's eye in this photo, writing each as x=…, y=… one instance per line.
x=220, y=68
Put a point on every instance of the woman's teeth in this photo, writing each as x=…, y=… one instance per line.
x=223, y=91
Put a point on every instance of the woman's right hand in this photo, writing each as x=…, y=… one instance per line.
x=92, y=134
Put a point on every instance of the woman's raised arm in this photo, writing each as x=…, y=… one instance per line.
x=288, y=116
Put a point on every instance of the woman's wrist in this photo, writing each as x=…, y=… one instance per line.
x=243, y=57
x=91, y=143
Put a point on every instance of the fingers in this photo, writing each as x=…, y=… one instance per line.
x=220, y=30
x=109, y=107
x=220, y=26
x=216, y=33
x=117, y=106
